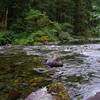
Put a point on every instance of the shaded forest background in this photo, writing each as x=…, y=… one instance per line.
x=41, y=21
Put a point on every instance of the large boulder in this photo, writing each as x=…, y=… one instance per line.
x=55, y=91
x=96, y=97
x=41, y=94
x=54, y=61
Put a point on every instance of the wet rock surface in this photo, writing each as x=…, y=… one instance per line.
x=95, y=97
x=80, y=72
x=41, y=94
x=54, y=61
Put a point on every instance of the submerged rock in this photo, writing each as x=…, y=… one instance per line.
x=58, y=91
x=40, y=70
x=43, y=71
x=54, y=61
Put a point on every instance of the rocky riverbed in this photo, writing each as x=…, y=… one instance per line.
x=80, y=73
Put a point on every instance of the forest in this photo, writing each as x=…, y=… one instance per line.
x=32, y=22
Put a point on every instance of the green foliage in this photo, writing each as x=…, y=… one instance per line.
x=24, y=41
x=67, y=27
x=96, y=18
x=81, y=21
x=32, y=14
x=45, y=33
x=36, y=20
x=16, y=10
x=19, y=26
x=6, y=38
x=65, y=37
x=43, y=20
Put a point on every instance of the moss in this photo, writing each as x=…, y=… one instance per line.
x=19, y=74
x=36, y=80
x=78, y=98
x=58, y=91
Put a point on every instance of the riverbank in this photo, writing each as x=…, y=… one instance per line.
x=72, y=42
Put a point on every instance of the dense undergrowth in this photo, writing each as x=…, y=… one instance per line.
x=44, y=22
x=38, y=29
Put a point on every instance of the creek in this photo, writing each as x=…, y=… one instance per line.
x=80, y=73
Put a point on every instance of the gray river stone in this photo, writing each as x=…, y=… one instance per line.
x=41, y=94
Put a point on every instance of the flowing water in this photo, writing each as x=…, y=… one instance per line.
x=80, y=73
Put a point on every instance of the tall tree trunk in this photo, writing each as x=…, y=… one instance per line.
x=5, y=20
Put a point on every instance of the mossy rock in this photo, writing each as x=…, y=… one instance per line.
x=58, y=91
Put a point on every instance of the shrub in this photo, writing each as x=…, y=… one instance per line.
x=45, y=33
x=36, y=20
x=44, y=39
x=24, y=40
x=6, y=38
x=65, y=37
x=66, y=27
x=18, y=26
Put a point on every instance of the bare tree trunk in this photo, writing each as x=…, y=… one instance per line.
x=5, y=21
x=3, y=18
